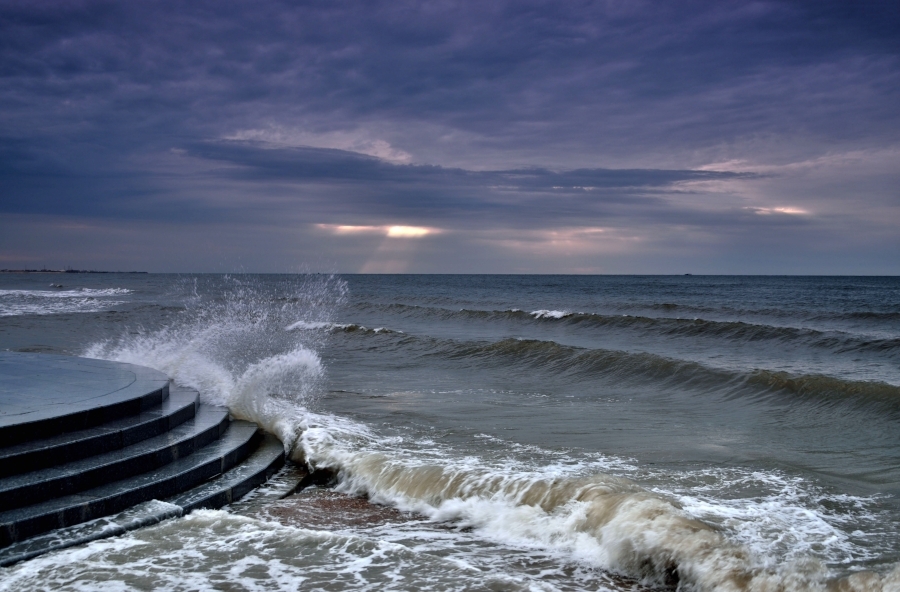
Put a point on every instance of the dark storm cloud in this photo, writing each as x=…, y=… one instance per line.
x=312, y=164
x=543, y=72
x=439, y=195
x=368, y=187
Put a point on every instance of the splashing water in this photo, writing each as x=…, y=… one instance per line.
x=232, y=345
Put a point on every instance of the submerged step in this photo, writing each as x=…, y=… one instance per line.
x=236, y=443
x=147, y=455
x=234, y=484
x=70, y=446
x=141, y=515
x=283, y=483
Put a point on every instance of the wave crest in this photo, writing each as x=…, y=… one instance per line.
x=598, y=519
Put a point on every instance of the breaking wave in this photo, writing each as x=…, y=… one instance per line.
x=327, y=326
x=575, y=511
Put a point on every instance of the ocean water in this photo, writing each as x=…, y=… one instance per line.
x=520, y=432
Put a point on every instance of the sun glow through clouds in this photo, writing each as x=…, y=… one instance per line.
x=791, y=211
x=407, y=231
x=388, y=231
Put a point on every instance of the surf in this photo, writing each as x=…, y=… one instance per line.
x=258, y=351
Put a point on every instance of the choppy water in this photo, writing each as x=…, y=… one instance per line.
x=538, y=432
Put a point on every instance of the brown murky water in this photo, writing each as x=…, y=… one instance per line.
x=324, y=509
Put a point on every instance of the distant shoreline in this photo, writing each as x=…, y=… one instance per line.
x=63, y=271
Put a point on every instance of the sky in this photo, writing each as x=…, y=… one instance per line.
x=451, y=137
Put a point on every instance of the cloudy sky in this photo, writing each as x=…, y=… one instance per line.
x=451, y=136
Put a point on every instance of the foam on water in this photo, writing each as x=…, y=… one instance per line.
x=45, y=302
x=785, y=517
x=81, y=292
x=214, y=550
x=309, y=325
x=550, y=314
x=327, y=326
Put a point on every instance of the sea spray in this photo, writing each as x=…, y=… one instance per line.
x=232, y=344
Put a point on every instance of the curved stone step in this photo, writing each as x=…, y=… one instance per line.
x=234, y=484
x=147, y=455
x=236, y=443
x=143, y=514
x=215, y=493
x=70, y=446
x=44, y=395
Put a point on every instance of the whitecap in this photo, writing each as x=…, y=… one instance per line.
x=549, y=314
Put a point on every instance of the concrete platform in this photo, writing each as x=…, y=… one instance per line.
x=42, y=395
x=82, y=439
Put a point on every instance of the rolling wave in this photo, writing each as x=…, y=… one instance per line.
x=865, y=315
x=642, y=368
x=731, y=331
x=329, y=326
x=639, y=369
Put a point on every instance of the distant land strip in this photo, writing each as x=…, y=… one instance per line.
x=63, y=271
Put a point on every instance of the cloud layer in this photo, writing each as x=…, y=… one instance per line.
x=727, y=137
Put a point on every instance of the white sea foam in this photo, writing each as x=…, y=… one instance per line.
x=328, y=326
x=549, y=314
x=79, y=293
x=785, y=517
x=214, y=550
x=45, y=302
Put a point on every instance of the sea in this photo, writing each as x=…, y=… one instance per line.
x=511, y=432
